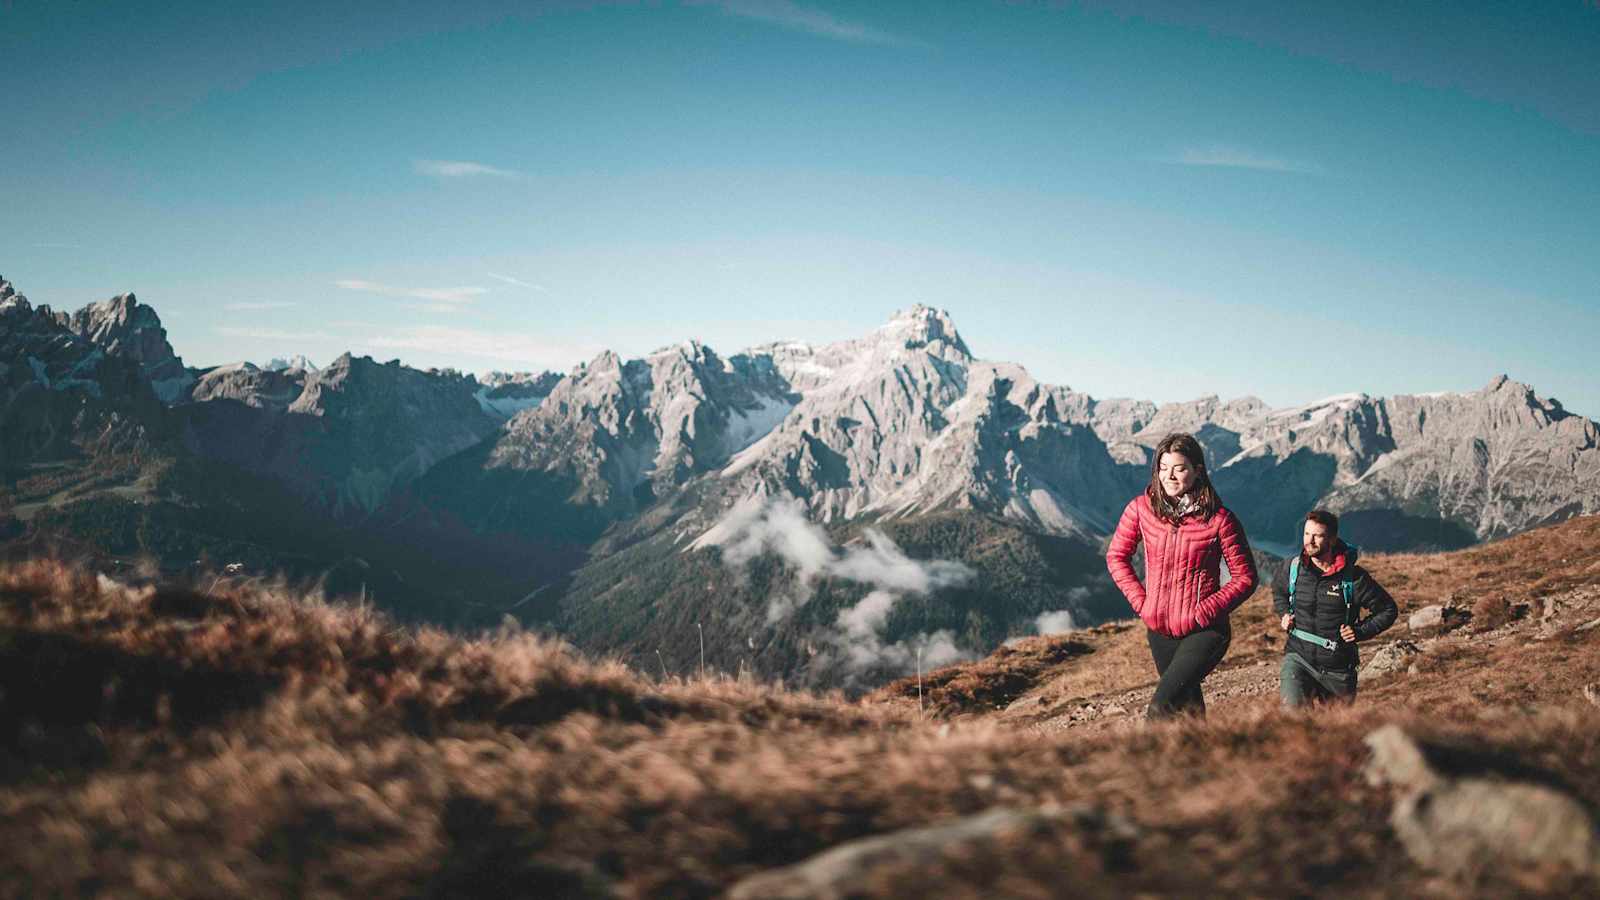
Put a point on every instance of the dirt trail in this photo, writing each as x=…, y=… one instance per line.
x=1244, y=677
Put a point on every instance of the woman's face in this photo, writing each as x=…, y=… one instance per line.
x=1176, y=474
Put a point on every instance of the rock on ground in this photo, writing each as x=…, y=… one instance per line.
x=1453, y=825
x=1426, y=617
x=1391, y=657
x=842, y=871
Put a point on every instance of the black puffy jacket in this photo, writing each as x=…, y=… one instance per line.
x=1319, y=608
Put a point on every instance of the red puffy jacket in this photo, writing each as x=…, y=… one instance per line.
x=1182, y=590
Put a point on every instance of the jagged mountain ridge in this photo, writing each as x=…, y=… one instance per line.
x=355, y=431
x=346, y=436
x=625, y=432
x=63, y=397
x=632, y=461
x=904, y=421
x=907, y=421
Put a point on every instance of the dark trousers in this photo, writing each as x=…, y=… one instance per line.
x=1299, y=682
x=1183, y=663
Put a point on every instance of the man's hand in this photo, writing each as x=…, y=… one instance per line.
x=1288, y=621
x=1348, y=633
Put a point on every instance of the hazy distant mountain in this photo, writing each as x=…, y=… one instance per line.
x=504, y=394
x=273, y=389
x=1441, y=470
x=354, y=432
x=298, y=361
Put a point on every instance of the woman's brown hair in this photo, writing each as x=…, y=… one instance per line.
x=1204, y=494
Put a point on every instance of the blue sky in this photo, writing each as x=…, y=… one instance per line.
x=1145, y=200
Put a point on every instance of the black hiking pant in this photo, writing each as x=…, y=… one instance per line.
x=1183, y=663
x=1300, y=683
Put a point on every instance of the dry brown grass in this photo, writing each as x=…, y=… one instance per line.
x=1531, y=565
x=254, y=743
x=1036, y=678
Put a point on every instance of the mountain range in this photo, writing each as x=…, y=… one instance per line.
x=799, y=500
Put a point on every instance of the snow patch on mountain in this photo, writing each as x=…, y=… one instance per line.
x=746, y=426
x=298, y=361
x=504, y=408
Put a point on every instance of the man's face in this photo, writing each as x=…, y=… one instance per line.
x=1317, y=540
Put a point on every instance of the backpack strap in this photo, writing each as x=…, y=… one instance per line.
x=1294, y=575
x=1347, y=587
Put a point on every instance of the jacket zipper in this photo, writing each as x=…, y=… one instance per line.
x=1172, y=553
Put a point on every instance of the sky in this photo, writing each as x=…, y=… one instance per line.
x=1151, y=200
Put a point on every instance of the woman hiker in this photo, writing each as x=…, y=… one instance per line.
x=1186, y=534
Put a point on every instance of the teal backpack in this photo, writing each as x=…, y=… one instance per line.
x=1347, y=585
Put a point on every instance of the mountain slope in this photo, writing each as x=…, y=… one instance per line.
x=198, y=733
x=785, y=616
x=356, y=432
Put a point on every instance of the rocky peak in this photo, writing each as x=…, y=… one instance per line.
x=122, y=326
x=623, y=431
x=11, y=300
x=925, y=327
x=61, y=395
x=1502, y=389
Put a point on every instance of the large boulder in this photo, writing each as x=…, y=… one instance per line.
x=1456, y=825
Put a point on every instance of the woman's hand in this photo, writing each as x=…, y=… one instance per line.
x=1287, y=622
x=1348, y=633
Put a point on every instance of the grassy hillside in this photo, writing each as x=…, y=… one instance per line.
x=165, y=739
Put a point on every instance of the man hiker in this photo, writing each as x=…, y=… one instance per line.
x=1319, y=598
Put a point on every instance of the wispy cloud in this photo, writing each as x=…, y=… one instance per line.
x=791, y=15
x=520, y=283
x=272, y=334
x=526, y=349
x=756, y=526
x=453, y=168
x=252, y=306
x=1231, y=157
x=454, y=296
